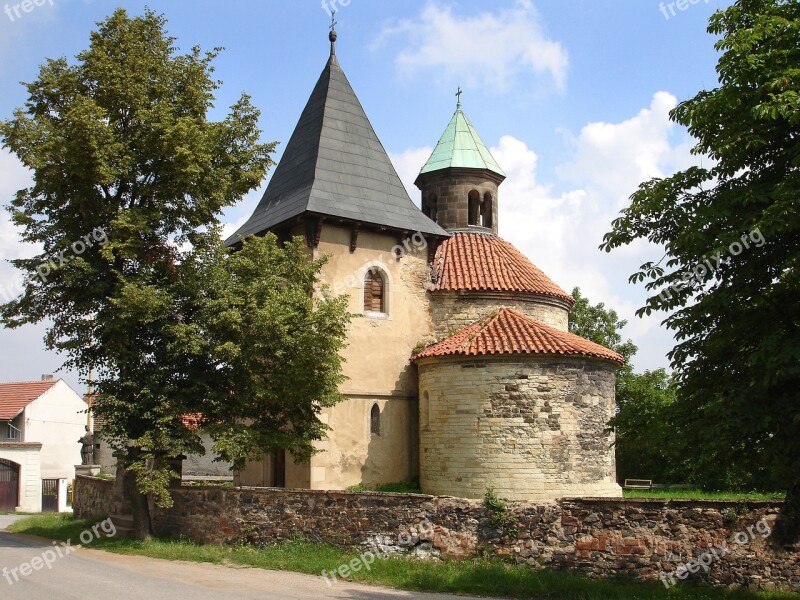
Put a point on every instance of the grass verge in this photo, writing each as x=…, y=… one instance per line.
x=479, y=577
x=660, y=494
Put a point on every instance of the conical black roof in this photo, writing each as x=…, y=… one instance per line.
x=335, y=165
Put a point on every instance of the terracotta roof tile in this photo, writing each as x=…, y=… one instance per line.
x=486, y=262
x=14, y=397
x=511, y=332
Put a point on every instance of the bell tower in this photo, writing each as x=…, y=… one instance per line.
x=460, y=180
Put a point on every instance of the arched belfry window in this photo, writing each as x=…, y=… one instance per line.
x=374, y=291
x=486, y=211
x=375, y=420
x=433, y=207
x=474, y=208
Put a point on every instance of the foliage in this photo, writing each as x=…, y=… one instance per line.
x=601, y=325
x=498, y=515
x=170, y=323
x=646, y=443
x=700, y=494
x=737, y=322
x=401, y=487
x=475, y=577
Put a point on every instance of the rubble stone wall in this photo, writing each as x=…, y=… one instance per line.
x=598, y=537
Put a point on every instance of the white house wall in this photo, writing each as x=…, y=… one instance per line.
x=57, y=418
x=26, y=455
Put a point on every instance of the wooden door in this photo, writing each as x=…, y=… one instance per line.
x=9, y=485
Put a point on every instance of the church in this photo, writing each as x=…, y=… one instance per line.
x=461, y=372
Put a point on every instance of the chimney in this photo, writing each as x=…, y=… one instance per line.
x=47, y=377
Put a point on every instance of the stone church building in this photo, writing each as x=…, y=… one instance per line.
x=461, y=371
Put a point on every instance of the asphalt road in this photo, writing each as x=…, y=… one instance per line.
x=86, y=573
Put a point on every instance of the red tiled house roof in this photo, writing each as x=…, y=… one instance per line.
x=483, y=262
x=14, y=397
x=511, y=332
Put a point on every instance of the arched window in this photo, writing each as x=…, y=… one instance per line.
x=433, y=207
x=474, y=208
x=375, y=420
x=374, y=291
x=424, y=410
x=486, y=210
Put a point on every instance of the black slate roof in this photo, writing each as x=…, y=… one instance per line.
x=335, y=165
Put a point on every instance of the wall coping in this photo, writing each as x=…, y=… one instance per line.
x=709, y=502
x=591, y=500
x=22, y=445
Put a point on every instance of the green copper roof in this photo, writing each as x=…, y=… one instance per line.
x=461, y=146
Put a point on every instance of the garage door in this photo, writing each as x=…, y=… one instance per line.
x=9, y=485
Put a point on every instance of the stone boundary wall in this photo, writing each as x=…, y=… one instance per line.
x=595, y=537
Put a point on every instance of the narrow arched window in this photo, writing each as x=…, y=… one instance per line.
x=474, y=208
x=375, y=420
x=374, y=291
x=486, y=211
x=424, y=410
x=433, y=207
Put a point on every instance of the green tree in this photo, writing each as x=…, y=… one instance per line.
x=646, y=446
x=731, y=232
x=601, y=325
x=130, y=177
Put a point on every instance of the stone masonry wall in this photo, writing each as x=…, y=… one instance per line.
x=451, y=188
x=452, y=312
x=594, y=537
x=533, y=427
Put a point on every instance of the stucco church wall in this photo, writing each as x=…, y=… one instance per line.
x=452, y=311
x=353, y=455
x=376, y=360
x=532, y=428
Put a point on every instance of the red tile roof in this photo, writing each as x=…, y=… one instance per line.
x=192, y=421
x=511, y=332
x=485, y=262
x=14, y=397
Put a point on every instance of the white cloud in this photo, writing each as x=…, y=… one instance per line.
x=22, y=353
x=408, y=165
x=493, y=50
x=13, y=177
x=560, y=231
x=615, y=157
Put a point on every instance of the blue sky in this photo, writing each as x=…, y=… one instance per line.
x=572, y=98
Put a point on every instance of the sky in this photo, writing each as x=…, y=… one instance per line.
x=571, y=96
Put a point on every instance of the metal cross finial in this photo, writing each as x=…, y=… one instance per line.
x=458, y=95
x=332, y=35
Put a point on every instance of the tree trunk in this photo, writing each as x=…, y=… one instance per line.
x=787, y=527
x=142, y=523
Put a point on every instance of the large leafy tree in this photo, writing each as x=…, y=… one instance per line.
x=126, y=162
x=731, y=231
